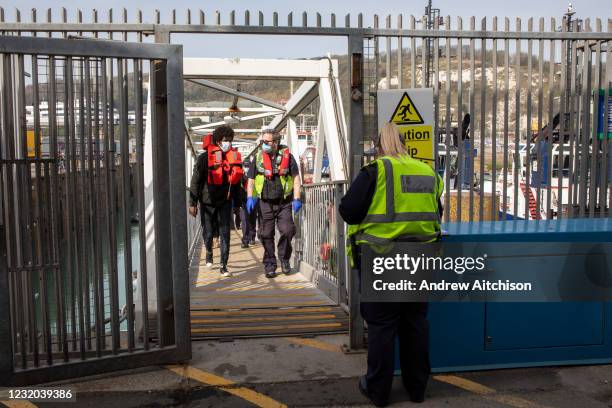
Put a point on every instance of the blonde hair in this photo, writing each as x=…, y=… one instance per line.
x=389, y=141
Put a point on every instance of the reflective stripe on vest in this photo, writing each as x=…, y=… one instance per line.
x=402, y=184
x=286, y=182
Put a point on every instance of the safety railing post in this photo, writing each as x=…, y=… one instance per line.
x=340, y=246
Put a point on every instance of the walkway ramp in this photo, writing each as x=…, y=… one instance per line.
x=248, y=304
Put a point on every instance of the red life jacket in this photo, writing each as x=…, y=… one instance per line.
x=206, y=141
x=217, y=166
x=283, y=168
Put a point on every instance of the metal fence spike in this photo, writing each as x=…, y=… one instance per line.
x=275, y=19
x=333, y=20
x=247, y=18
x=304, y=19
x=188, y=16
x=218, y=17
x=261, y=18
x=347, y=21
x=290, y=20
x=202, y=17
x=318, y=19
x=232, y=17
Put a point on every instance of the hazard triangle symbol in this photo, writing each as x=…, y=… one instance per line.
x=406, y=112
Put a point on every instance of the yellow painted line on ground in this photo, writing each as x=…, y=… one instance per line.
x=241, y=279
x=256, y=296
x=261, y=319
x=250, y=305
x=259, y=288
x=466, y=384
x=226, y=385
x=247, y=311
x=18, y=404
x=262, y=328
x=321, y=345
x=487, y=392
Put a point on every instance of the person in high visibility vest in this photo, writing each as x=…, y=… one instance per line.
x=215, y=185
x=274, y=182
x=393, y=198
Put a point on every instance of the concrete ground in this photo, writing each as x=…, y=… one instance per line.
x=313, y=372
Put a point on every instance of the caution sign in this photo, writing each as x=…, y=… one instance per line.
x=412, y=111
x=406, y=113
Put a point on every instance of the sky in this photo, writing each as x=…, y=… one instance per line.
x=233, y=46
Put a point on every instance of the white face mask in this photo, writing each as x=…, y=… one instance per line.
x=225, y=146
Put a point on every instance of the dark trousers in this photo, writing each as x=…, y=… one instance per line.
x=217, y=217
x=248, y=224
x=276, y=214
x=407, y=321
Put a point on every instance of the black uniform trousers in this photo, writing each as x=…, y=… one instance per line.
x=407, y=321
x=221, y=215
x=273, y=214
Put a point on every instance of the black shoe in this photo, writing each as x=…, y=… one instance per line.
x=253, y=242
x=225, y=272
x=244, y=245
x=364, y=391
x=286, y=267
x=417, y=395
x=270, y=274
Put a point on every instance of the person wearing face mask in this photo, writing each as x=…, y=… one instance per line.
x=394, y=198
x=274, y=182
x=215, y=185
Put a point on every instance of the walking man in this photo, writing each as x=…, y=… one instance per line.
x=274, y=182
x=214, y=185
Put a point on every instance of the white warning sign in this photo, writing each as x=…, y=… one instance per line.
x=412, y=111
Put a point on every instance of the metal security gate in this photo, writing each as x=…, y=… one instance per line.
x=78, y=217
x=522, y=111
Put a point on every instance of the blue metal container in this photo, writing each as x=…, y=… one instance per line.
x=473, y=336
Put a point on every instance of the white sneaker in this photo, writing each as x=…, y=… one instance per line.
x=225, y=272
x=209, y=264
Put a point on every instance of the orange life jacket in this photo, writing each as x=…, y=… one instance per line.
x=206, y=141
x=283, y=168
x=217, y=166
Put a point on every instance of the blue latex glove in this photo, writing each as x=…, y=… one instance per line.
x=297, y=205
x=251, y=203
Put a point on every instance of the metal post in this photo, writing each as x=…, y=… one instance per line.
x=163, y=248
x=355, y=46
